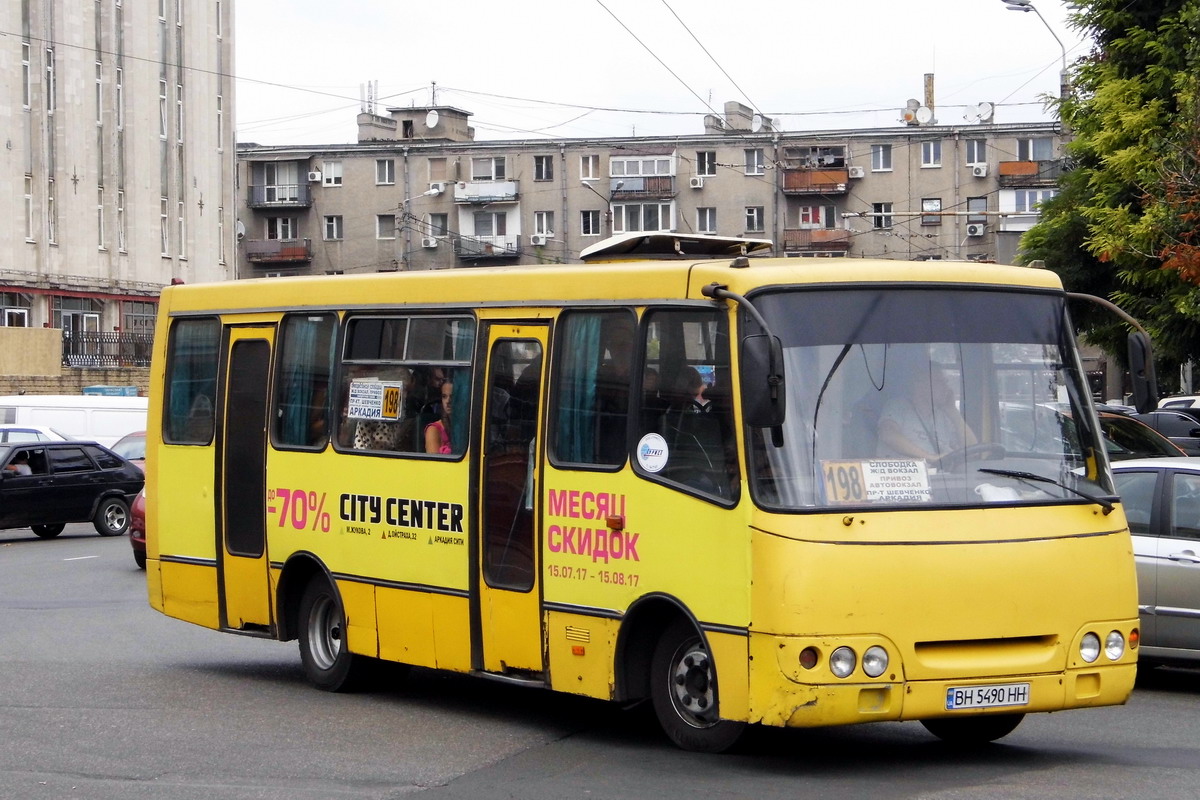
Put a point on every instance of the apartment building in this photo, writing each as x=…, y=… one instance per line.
x=416, y=191
x=119, y=158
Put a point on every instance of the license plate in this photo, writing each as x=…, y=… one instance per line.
x=994, y=696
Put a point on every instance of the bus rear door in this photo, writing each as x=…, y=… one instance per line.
x=508, y=611
x=242, y=449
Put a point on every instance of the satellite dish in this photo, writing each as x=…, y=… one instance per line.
x=756, y=123
x=924, y=115
x=912, y=104
x=985, y=111
x=431, y=119
x=909, y=115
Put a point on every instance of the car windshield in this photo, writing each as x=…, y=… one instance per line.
x=926, y=396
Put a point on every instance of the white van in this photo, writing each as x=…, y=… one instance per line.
x=97, y=418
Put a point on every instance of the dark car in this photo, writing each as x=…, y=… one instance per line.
x=45, y=485
x=1180, y=425
x=1125, y=437
x=137, y=529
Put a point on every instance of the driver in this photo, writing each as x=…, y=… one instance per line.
x=922, y=421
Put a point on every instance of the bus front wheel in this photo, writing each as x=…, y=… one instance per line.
x=968, y=731
x=683, y=688
x=328, y=662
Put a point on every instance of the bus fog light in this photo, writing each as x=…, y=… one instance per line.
x=1114, y=645
x=809, y=657
x=843, y=660
x=875, y=661
x=1089, y=647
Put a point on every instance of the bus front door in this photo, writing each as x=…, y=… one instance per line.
x=242, y=459
x=509, y=597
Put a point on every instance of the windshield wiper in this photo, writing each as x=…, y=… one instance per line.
x=1035, y=478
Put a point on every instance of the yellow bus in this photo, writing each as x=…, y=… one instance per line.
x=789, y=492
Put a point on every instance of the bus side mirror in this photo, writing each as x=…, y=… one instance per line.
x=1141, y=372
x=763, y=390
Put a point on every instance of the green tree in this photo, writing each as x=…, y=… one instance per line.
x=1123, y=224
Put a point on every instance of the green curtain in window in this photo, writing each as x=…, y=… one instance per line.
x=576, y=428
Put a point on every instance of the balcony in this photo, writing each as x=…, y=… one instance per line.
x=279, y=195
x=1028, y=174
x=481, y=192
x=278, y=251
x=805, y=239
x=477, y=248
x=809, y=180
x=648, y=187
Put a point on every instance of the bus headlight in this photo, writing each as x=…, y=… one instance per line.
x=875, y=661
x=1114, y=645
x=1089, y=647
x=843, y=660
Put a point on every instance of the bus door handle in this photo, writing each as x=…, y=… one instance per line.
x=1187, y=555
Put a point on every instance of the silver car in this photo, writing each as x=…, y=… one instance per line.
x=1161, y=497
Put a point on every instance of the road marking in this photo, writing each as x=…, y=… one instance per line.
x=80, y=558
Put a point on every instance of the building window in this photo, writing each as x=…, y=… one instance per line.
x=881, y=158
x=100, y=217
x=331, y=174
x=491, y=223
x=162, y=109
x=120, y=99
x=439, y=224
x=385, y=171
x=589, y=223
x=220, y=124
x=543, y=223
x=26, y=75
x=881, y=216
x=976, y=210
x=706, y=162
x=976, y=151
x=164, y=225
x=15, y=308
x=488, y=169
x=589, y=167
x=931, y=153
x=640, y=165
x=121, y=221
x=1028, y=200
x=755, y=219
x=333, y=227
x=181, y=226
x=75, y=313
x=220, y=234
x=281, y=227
x=1038, y=149
x=706, y=220
x=51, y=81
x=138, y=316
x=437, y=170
x=649, y=217
x=931, y=208
x=99, y=93
x=29, y=208
x=543, y=168
x=385, y=226
x=179, y=112
x=754, y=162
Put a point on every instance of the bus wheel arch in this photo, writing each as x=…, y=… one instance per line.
x=297, y=573
x=321, y=630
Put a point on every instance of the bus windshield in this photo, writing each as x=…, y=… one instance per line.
x=931, y=396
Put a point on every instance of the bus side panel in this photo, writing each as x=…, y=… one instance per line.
x=581, y=653
x=731, y=654
x=452, y=632
x=189, y=592
x=406, y=631
x=358, y=602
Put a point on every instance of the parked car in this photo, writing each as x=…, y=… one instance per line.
x=1180, y=401
x=30, y=433
x=132, y=447
x=137, y=529
x=45, y=485
x=1161, y=497
x=1180, y=425
x=93, y=418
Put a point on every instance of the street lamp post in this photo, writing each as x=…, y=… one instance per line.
x=402, y=213
x=1064, y=86
x=607, y=200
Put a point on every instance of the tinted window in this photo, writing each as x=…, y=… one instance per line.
x=70, y=459
x=104, y=458
x=191, y=381
x=306, y=357
x=1137, y=498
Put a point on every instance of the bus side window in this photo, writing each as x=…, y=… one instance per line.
x=191, y=381
x=306, y=355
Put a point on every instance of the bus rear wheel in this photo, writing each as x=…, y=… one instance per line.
x=328, y=662
x=683, y=689
x=970, y=731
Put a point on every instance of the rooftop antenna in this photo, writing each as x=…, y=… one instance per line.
x=433, y=93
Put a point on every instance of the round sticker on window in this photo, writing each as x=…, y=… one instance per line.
x=652, y=452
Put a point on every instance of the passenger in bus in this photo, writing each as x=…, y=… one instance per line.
x=437, y=434
x=923, y=420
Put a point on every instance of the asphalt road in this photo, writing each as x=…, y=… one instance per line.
x=103, y=698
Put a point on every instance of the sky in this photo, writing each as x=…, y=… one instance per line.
x=539, y=69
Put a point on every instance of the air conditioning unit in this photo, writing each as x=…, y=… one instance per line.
x=696, y=182
x=314, y=176
x=857, y=172
x=976, y=229
x=429, y=242
x=537, y=239
x=979, y=170
x=437, y=187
